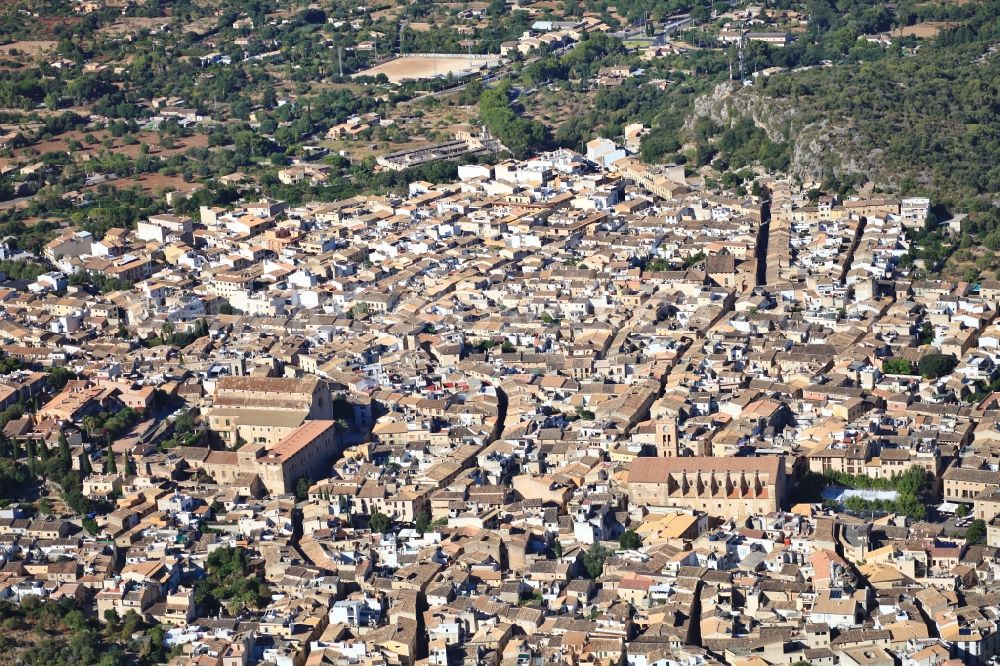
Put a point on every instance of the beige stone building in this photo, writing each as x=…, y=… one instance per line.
x=964, y=484
x=264, y=410
x=718, y=486
x=307, y=450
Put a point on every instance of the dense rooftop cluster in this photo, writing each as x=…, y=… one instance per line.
x=573, y=409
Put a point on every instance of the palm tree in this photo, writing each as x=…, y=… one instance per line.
x=90, y=424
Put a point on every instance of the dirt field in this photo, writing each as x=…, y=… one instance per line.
x=689, y=47
x=61, y=144
x=428, y=66
x=128, y=24
x=180, y=145
x=355, y=88
x=391, y=14
x=924, y=30
x=153, y=183
x=29, y=47
x=439, y=125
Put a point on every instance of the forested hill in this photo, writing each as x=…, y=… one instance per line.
x=922, y=120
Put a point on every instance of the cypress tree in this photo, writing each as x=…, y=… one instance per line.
x=85, y=466
x=65, y=456
x=32, y=457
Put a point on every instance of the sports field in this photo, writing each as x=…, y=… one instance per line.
x=415, y=67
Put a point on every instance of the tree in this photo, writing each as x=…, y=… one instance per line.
x=911, y=481
x=14, y=478
x=31, y=449
x=658, y=264
x=379, y=522
x=593, y=560
x=185, y=423
x=933, y=366
x=269, y=99
x=976, y=533
x=521, y=137
x=131, y=623
x=230, y=582
x=85, y=466
x=855, y=504
x=423, y=522
x=157, y=641
x=59, y=376
x=313, y=15
x=65, y=455
x=926, y=333
x=962, y=511
x=897, y=366
x=91, y=526
x=630, y=540
x=302, y=487
x=110, y=466
x=909, y=505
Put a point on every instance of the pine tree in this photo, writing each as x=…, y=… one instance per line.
x=110, y=466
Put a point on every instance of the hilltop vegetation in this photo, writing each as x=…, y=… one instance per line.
x=914, y=120
x=520, y=136
x=931, y=117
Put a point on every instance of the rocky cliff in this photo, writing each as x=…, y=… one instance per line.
x=821, y=146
